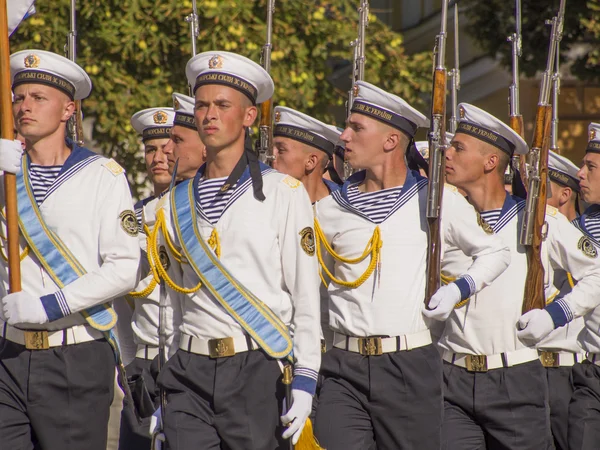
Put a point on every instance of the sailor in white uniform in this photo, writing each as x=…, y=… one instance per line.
x=589, y=182
x=383, y=378
x=185, y=145
x=245, y=234
x=584, y=409
x=79, y=251
x=139, y=312
x=303, y=147
x=495, y=387
x=560, y=352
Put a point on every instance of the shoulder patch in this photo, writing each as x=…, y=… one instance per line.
x=129, y=222
x=307, y=241
x=551, y=210
x=291, y=182
x=451, y=187
x=587, y=247
x=113, y=167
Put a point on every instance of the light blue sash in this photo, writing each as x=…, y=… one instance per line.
x=252, y=314
x=52, y=253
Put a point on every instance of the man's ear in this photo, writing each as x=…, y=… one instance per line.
x=391, y=141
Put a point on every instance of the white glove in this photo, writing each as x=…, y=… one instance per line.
x=296, y=416
x=442, y=302
x=22, y=307
x=156, y=421
x=535, y=325
x=10, y=155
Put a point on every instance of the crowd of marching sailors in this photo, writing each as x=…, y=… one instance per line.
x=247, y=305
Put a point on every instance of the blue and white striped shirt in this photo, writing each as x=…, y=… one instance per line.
x=376, y=205
x=212, y=201
x=491, y=217
x=42, y=179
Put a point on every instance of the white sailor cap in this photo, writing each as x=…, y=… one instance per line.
x=303, y=128
x=562, y=171
x=487, y=128
x=423, y=146
x=184, y=111
x=594, y=138
x=388, y=108
x=233, y=70
x=50, y=69
x=153, y=123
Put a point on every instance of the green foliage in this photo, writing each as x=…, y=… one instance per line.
x=135, y=51
x=492, y=21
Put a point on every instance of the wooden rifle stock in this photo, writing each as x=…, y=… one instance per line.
x=516, y=123
x=10, y=180
x=437, y=178
x=265, y=138
x=78, y=123
x=534, y=295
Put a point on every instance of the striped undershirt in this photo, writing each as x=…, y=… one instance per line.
x=592, y=224
x=375, y=205
x=212, y=201
x=491, y=217
x=42, y=179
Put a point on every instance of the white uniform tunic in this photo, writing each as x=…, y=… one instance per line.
x=486, y=325
x=89, y=207
x=261, y=247
x=390, y=302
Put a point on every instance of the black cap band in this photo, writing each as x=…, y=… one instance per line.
x=593, y=147
x=48, y=79
x=229, y=80
x=185, y=120
x=156, y=133
x=304, y=136
x=486, y=135
x=563, y=179
x=385, y=116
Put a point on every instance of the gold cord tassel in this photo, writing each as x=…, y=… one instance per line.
x=307, y=440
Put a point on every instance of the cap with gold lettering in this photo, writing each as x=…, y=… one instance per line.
x=388, y=108
x=482, y=125
x=593, y=138
x=50, y=69
x=184, y=111
x=562, y=171
x=153, y=123
x=303, y=128
x=233, y=70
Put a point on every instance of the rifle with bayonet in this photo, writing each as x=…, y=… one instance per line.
x=192, y=20
x=454, y=76
x=265, y=131
x=437, y=148
x=516, y=119
x=532, y=231
x=75, y=124
x=358, y=63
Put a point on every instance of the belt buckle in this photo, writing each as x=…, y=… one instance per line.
x=220, y=348
x=476, y=363
x=323, y=346
x=36, y=340
x=550, y=359
x=370, y=346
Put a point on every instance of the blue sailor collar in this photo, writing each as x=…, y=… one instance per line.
x=332, y=186
x=79, y=158
x=413, y=183
x=241, y=186
x=511, y=207
x=580, y=221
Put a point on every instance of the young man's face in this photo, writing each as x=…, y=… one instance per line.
x=157, y=166
x=221, y=114
x=186, y=146
x=364, y=138
x=589, y=178
x=290, y=157
x=464, y=161
x=39, y=110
